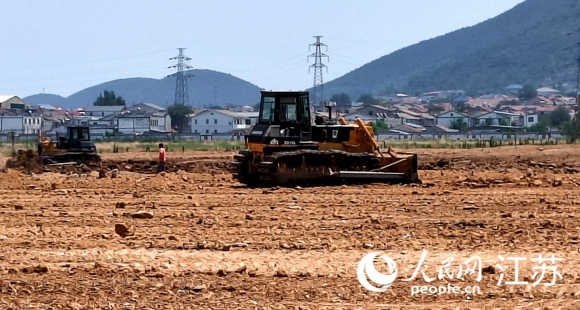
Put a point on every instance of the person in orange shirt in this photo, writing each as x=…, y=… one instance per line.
x=162, y=158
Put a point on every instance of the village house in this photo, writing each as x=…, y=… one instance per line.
x=13, y=102
x=20, y=122
x=497, y=118
x=103, y=111
x=353, y=116
x=513, y=89
x=489, y=101
x=17, y=116
x=217, y=121
x=546, y=91
x=447, y=119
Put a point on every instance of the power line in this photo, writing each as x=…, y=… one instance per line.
x=181, y=89
x=81, y=62
x=26, y=76
x=318, y=65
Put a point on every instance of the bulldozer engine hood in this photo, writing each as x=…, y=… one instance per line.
x=270, y=135
x=88, y=145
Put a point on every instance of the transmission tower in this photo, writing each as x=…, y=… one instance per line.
x=181, y=90
x=318, y=65
x=578, y=78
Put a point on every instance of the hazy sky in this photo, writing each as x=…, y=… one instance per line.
x=64, y=46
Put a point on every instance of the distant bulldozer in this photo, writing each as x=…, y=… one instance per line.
x=76, y=146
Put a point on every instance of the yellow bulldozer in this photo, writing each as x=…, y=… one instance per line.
x=73, y=146
x=286, y=146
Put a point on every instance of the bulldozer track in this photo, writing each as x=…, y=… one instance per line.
x=302, y=167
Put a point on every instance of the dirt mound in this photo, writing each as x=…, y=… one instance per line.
x=150, y=166
x=26, y=160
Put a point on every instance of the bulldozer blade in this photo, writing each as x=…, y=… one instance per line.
x=369, y=175
x=384, y=168
x=63, y=164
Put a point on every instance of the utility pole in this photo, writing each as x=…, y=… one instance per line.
x=578, y=77
x=181, y=89
x=318, y=65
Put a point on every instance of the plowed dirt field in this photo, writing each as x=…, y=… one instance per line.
x=192, y=238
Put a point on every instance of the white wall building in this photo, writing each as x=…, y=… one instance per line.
x=32, y=124
x=245, y=120
x=496, y=117
x=448, y=118
x=160, y=122
x=134, y=124
x=12, y=123
x=159, y=116
x=21, y=124
x=222, y=121
x=530, y=120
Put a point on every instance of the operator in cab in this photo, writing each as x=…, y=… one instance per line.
x=162, y=158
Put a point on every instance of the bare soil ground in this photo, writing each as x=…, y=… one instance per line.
x=192, y=238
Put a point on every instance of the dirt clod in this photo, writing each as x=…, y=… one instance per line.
x=121, y=230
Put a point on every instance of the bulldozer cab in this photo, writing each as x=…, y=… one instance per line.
x=77, y=138
x=284, y=118
x=76, y=135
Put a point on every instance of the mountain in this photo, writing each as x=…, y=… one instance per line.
x=206, y=88
x=44, y=99
x=527, y=44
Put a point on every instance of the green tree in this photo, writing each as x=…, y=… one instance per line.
x=367, y=100
x=571, y=129
x=108, y=98
x=341, y=99
x=380, y=126
x=178, y=113
x=542, y=127
x=528, y=92
x=460, y=124
x=560, y=116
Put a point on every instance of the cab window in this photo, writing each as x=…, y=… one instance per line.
x=268, y=106
x=288, y=109
x=305, y=110
x=85, y=134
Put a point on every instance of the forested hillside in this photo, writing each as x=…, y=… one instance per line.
x=527, y=44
